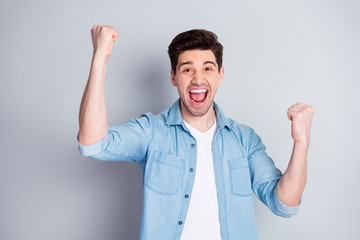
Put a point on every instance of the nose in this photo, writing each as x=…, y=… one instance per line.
x=198, y=78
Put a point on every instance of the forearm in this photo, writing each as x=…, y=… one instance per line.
x=292, y=183
x=93, y=123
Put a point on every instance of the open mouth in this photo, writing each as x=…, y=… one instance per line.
x=198, y=96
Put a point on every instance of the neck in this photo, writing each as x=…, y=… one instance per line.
x=201, y=123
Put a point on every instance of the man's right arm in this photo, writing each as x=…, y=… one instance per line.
x=93, y=124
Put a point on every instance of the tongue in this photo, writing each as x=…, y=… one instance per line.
x=198, y=97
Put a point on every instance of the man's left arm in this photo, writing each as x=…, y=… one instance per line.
x=292, y=183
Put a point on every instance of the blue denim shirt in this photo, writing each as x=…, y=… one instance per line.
x=166, y=152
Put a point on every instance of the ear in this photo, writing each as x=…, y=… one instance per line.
x=221, y=74
x=173, y=78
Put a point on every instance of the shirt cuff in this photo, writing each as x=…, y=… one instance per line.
x=283, y=208
x=92, y=149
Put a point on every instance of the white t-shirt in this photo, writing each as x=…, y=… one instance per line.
x=202, y=219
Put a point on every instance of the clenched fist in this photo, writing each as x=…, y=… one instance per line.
x=301, y=116
x=103, y=38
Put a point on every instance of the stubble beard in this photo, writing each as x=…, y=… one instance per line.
x=194, y=113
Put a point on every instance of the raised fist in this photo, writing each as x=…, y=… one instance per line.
x=301, y=116
x=103, y=38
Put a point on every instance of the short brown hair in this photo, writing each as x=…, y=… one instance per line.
x=195, y=39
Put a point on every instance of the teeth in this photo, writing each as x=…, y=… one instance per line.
x=198, y=90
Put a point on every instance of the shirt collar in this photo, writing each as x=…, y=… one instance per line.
x=175, y=118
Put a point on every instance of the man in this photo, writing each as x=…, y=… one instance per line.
x=199, y=167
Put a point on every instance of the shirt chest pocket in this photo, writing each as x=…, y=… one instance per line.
x=240, y=177
x=163, y=173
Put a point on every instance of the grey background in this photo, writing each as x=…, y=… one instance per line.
x=276, y=53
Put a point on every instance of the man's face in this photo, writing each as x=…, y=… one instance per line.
x=197, y=79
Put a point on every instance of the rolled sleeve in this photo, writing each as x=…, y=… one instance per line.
x=283, y=209
x=93, y=149
x=126, y=142
x=266, y=193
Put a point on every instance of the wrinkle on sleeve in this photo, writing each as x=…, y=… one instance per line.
x=265, y=177
x=126, y=142
x=262, y=167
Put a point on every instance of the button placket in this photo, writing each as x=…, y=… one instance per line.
x=186, y=195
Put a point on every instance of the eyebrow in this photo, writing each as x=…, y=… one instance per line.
x=210, y=62
x=190, y=63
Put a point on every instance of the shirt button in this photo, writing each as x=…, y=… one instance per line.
x=180, y=222
x=192, y=145
x=191, y=169
x=186, y=196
